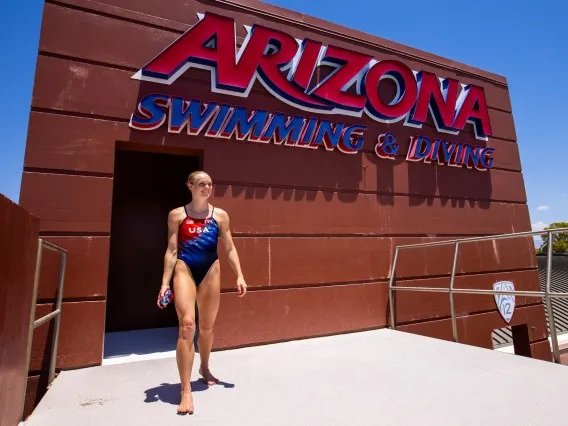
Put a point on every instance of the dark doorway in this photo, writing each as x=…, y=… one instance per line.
x=147, y=186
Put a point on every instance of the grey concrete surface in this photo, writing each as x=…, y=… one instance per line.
x=373, y=378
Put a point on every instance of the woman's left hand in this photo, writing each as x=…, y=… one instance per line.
x=241, y=286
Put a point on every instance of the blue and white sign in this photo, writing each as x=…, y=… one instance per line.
x=505, y=302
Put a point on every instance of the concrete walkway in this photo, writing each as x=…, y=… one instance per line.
x=373, y=378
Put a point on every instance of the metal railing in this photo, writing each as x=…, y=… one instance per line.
x=547, y=294
x=55, y=314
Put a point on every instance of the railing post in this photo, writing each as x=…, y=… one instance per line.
x=547, y=294
x=452, y=304
x=54, y=343
x=552, y=325
x=32, y=313
x=46, y=318
x=391, y=291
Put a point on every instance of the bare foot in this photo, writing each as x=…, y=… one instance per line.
x=209, y=378
x=186, y=405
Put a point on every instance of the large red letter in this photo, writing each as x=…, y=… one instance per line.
x=210, y=42
x=304, y=70
x=270, y=51
x=350, y=66
x=441, y=100
x=405, y=98
x=474, y=109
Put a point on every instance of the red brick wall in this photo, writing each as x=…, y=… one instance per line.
x=18, y=250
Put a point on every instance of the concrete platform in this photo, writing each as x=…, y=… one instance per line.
x=373, y=378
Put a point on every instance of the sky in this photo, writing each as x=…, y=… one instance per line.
x=527, y=44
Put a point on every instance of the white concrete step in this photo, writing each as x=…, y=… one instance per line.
x=379, y=377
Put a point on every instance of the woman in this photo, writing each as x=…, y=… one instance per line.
x=191, y=257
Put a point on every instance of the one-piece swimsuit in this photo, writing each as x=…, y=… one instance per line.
x=197, y=244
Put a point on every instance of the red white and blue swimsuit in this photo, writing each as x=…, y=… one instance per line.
x=197, y=244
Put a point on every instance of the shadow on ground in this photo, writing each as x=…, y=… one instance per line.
x=170, y=393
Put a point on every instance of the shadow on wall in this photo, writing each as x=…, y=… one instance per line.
x=426, y=182
x=456, y=187
x=286, y=194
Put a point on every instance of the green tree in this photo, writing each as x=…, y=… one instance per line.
x=559, y=240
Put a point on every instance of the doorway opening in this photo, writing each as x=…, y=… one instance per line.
x=147, y=185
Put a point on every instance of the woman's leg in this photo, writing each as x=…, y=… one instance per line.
x=184, y=300
x=208, y=298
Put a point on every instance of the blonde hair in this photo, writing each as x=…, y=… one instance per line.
x=193, y=176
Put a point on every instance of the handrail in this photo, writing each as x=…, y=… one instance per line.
x=547, y=294
x=56, y=314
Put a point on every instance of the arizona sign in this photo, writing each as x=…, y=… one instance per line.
x=285, y=67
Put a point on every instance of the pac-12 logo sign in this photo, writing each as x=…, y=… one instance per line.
x=505, y=302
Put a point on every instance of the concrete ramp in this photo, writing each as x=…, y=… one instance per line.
x=379, y=377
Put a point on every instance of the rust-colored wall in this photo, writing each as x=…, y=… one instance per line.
x=18, y=250
x=315, y=230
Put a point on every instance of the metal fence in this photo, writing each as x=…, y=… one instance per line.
x=503, y=337
x=56, y=314
x=546, y=294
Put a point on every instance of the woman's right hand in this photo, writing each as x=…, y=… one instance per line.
x=161, y=295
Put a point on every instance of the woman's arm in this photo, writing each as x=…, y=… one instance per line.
x=171, y=251
x=231, y=251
